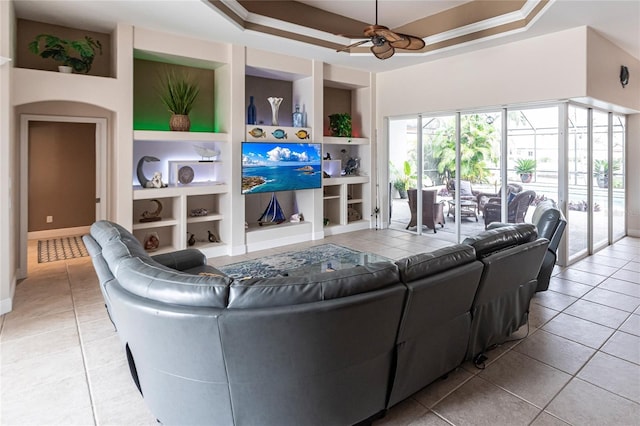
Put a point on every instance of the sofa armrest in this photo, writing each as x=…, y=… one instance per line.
x=182, y=259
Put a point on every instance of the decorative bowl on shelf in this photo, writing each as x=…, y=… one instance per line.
x=198, y=212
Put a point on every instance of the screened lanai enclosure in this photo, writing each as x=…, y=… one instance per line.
x=468, y=163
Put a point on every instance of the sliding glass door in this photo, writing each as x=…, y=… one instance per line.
x=601, y=179
x=618, y=172
x=578, y=182
x=469, y=159
x=403, y=154
x=533, y=139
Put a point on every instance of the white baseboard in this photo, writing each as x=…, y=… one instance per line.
x=6, y=305
x=633, y=232
x=55, y=233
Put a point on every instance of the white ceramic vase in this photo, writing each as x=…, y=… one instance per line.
x=65, y=69
x=275, y=106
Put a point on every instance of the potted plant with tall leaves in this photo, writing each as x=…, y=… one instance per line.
x=601, y=172
x=179, y=93
x=525, y=168
x=75, y=55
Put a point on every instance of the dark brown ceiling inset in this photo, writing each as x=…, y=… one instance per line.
x=466, y=22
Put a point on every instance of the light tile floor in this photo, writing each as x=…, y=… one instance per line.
x=61, y=362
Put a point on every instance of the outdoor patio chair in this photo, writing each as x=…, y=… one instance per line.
x=467, y=193
x=483, y=197
x=516, y=209
x=431, y=211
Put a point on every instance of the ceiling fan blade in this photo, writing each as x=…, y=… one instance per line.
x=356, y=44
x=383, y=51
x=388, y=34
x=352, y=36
x=408, y=42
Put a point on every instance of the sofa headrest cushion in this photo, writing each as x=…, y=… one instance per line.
x=426, y=264
x=494, y=240
x=547, y=217
x=105, y=232
x=99, y=264
x=279, y=291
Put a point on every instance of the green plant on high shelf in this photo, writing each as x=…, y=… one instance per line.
x=340, y=125
x=77, y=54
x=179, y=93
x=525, y=167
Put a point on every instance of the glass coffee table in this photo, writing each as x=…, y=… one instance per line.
x=468, y=208
x=337, y=263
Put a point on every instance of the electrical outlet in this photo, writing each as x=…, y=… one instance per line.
x=49, y=219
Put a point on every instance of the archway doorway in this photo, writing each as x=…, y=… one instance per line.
x=62, y=175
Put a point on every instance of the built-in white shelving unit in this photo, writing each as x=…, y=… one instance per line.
x=224, y=72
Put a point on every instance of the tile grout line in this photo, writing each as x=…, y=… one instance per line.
x=597, y=350
x=82, y=351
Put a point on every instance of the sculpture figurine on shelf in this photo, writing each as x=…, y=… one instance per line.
x=327, y=157
x=151, y=241
x=198, y=212
x=298, y=217
x=192, y=239
x=156, y=181
x=152, y=216
x=207, y=153
x=213, y=237
x=351, y=167
x=273, y=214
x=275, y=106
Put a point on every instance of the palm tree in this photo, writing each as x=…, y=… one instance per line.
x=477, y=141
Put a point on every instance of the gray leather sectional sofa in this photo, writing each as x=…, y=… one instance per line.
x=334, y=348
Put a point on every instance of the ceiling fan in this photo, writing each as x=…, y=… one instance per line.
x=385, y=42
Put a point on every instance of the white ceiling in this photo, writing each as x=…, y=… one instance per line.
x=617, y=20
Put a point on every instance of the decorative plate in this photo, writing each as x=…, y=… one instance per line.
x=185, y=174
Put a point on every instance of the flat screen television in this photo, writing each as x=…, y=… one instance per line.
x=280, y=166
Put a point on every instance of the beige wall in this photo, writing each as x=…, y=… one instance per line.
x=603, y=73
x=62, y=175
x=539, y=69
x=574, y=64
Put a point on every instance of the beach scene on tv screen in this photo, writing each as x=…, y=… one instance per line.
x=271, y=167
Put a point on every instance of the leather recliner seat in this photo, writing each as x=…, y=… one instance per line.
x=333, y=348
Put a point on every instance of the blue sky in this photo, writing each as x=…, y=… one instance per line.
x=261, y=153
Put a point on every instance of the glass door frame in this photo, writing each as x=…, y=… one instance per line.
x=563, y=156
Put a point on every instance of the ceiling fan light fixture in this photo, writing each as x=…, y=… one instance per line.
x=383, y=51
x=385, y=41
